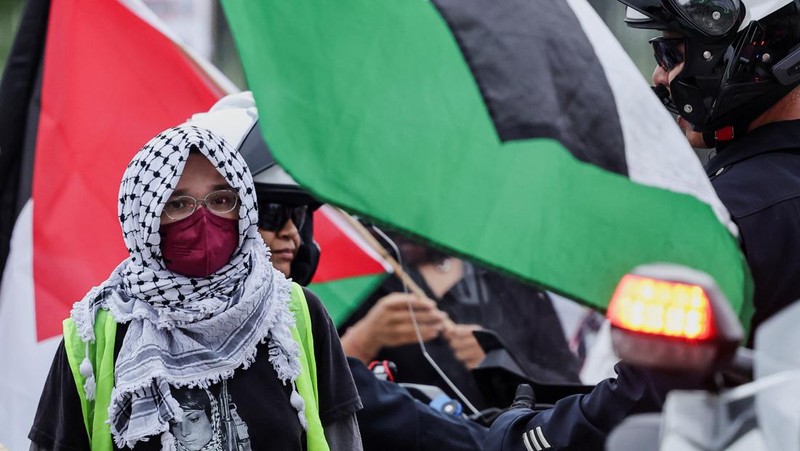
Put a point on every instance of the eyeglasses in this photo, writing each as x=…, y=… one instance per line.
x=218, y=202
x=273, y=216
x=668, y=52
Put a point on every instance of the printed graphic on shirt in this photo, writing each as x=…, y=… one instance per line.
x=210, y=421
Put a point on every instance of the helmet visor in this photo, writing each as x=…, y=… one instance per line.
x=649, y=14
x=713, y=18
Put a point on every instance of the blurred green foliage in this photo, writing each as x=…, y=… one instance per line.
x=10, y=14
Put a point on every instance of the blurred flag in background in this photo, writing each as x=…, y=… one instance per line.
x=87, y=83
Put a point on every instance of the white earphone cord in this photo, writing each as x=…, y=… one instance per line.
x=422, y=347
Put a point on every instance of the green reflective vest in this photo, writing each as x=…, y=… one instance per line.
x=101, y=354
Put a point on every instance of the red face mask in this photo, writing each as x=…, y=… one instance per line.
x=199, y=245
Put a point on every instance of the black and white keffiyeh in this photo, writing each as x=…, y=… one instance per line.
x=185, y=331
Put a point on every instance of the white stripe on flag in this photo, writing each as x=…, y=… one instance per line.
x=25, y=363
x=146, y=14
x=656, y=150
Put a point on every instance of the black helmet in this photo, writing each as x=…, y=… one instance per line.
x=235, y=118
x=741, y=56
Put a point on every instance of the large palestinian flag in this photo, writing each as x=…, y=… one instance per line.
x=516, y=132
x=87, y=83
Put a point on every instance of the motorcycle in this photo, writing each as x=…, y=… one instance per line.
x=753, y=404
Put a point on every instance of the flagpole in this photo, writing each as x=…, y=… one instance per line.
x=380, y=249
x=412, y=286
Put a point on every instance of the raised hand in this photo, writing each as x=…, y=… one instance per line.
x=463, y=343
x=389, y=324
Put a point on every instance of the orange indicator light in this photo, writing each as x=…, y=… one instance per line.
x=659, y=307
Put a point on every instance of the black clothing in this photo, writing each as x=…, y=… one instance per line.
x=582, y=422
x=757, y=177
x=261, y=400
x=393, y=420
x=523, y=316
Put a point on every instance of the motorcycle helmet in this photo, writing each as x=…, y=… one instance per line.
x=235, y=118
x=740, y=56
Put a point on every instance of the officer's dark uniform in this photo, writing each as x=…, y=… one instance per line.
x=393, y=420
x=757, y=177
x=582, y=422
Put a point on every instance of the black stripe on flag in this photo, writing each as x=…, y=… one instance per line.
x=538, y=75
x=20, y=91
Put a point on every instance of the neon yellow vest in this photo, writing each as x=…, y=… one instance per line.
x=101, y=354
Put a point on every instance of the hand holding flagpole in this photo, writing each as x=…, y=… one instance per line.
x=414, y=288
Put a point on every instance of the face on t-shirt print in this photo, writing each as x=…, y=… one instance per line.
x=204, y=422
x=201, y=428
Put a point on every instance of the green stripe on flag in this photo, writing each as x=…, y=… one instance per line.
x=341, y=297
x=370, y=105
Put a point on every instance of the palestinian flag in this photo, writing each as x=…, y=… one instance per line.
x=349, y=269
x=87, y=83
x=517, y=133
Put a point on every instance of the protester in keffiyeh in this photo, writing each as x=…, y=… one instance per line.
x=198, y=307
x=198, y=327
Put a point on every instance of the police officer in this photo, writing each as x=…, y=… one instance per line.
x=730, y=70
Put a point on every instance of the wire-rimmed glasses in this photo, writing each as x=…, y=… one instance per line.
x=219, y=202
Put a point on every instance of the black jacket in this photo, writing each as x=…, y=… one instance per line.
x=757, y=177
x=582, y=422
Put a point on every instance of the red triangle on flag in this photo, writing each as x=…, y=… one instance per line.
x=343, y=253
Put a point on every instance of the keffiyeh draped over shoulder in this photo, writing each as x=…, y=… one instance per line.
x=185, y=331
